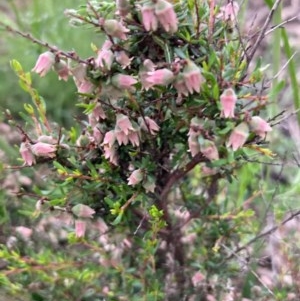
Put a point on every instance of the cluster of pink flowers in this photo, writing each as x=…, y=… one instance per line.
x=29, y=151
x=159, y=12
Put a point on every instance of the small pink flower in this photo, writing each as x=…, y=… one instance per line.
x=193, y=77
x=147, y=66
x=148, y=125
x=44, y=63
x=105, y=56
x=238, y=136
x=109, y=138
x=124, y=124
x=134, y=138
x=135, y=177
x=97, y=134
x=197, y=279
x=122, y=81
x=229, y=12
x=41, y=149
x=111, y=154
x=83, y=211
x=161, y=77
x=115, y=29
x=259, y=126
x=86, y=87
x=166, y=16
x=149, y=18
x=123, y=7
x=228, y=100
x=98, y=112
x=123, y=59
x=27, y=154
x=209, y=150
x=80, y=228
x=104, y=59
x=180, y=85
x=24, y=232
x=61, y=68
x=121, y=137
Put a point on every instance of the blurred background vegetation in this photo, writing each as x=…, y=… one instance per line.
x=46, y=21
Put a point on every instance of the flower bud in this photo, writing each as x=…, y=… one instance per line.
x=80, y=228
x=61, y=68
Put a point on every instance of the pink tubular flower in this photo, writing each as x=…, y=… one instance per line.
x=26, y=153
x=121, y=137
x=115, y=29
x=86, y=87
x=41, y=149
x=134, y=138
x=259, y=126
x=97, y=134
x=161, y=77
x=61, y=68
x=229, y=12
x=123, y=59
x=148, y=125
x=84, y=211
x=209, y=150
x=193, y=77
x=124, y=124
x=80, y=228
x=228, y=100
x=122, y=81
x=135, y=177
x=105, y=56
x=166, y=16
x=238, y=136
x=44, y=63
x=147, y=66
x=180, y=85
x=109, y=138
x=149, y=18
x=111, y=154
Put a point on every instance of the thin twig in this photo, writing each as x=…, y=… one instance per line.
x=262, y=32
x=280, y=25
x=54, y=49
x=263, y=234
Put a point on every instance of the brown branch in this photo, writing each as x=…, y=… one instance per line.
x=180, y=173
